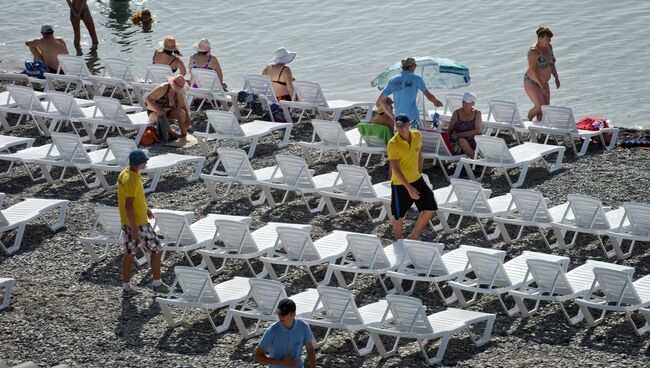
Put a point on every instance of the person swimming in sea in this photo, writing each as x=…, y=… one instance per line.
x=143, y=17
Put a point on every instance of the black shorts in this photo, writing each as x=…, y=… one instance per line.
x=401, y=201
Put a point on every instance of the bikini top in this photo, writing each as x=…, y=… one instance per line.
x=206, y=66
x=170, y=63
x=542, y=62
x=279, y=75
x=164, y=100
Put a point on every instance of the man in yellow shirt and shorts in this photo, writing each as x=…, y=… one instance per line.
x=136, y=230
x=407, y=184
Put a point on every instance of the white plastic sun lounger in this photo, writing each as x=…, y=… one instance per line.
x=113, y=115
x=434, y=148
x=493, y=152
x=492, y=276
x=367, y=256
x=467, y=198
x=117, y=76
x=529, y=208
x=453, y=102
x=410, y=321
x=634, y=226
x=21, y=214
x=75, y=72
x=262, y=86
x=238, y=242
x=226, y=127
x=198, y=292
x=179, y=234
x=614, y=291
x=425, y=262
x=207, y=87
x=8, y=142
x=367, y=144
x=336, y=309
x=586, y=215
x=106, y=230
x=328, y=136
x=504, y=116
x=547, y=281
x=559, y=121
x=7, y=284
x=295, y=248
x=238, y=170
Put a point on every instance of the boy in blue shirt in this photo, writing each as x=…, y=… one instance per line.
x=281, y=345
x=404, y=87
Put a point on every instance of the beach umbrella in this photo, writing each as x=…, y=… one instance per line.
x=436, y=72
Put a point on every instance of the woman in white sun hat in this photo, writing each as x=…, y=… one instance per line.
x=203, y=59
x=280, y=73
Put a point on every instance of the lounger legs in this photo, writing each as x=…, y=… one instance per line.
x=7, y=284
x=20, y=231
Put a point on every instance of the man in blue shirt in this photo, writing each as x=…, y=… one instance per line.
x=281, y=345
x=404, y=87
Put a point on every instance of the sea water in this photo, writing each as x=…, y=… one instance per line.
x=602, y=47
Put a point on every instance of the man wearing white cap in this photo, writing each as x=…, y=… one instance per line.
x=280, y=73
x=404, y=87
x=47, y=48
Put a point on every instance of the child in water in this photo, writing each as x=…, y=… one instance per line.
x=142, y=17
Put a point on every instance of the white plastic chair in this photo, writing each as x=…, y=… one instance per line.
x=207, y=87
x=504, y=116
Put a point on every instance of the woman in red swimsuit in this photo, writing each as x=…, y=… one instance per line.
x=280, y=74
x=541, y=65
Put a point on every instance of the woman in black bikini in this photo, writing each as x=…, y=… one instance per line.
x=541, y=65
x=169, y=55
x=280, y=74
x=168, y=99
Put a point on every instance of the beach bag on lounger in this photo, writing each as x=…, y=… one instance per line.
x=35, y=69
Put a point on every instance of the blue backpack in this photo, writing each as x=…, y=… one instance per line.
x=35, y=69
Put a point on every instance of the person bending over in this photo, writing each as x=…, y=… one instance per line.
x=167, y=102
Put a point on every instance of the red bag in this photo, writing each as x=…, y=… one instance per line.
x=592, y=123
x=149, y=137
x=447, y=140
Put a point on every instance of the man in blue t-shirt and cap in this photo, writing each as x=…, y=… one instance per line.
x=404, y=87
x=281, y=345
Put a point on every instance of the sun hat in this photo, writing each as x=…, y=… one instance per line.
x=286, y=306
x=469, y=97
x=47, y=28
x=282, y=56
x=408, y=62
x=169, y=44
x=203, y=45
x=137, y=157
x=178, y=86
x=402, y=119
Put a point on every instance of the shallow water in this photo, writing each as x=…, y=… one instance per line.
x=600, y=45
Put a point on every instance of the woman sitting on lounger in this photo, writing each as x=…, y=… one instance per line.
x=465, y=124
x=167, y=102
x=382, y=118
x=203, y=59
x=280, y=73
x=169, y=55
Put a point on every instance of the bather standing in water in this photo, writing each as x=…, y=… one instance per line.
x=79, y=11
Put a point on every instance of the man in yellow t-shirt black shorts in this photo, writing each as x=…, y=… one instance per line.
x=407, y=184
x=136, y=230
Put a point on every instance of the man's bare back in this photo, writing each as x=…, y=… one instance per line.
x=46, y=49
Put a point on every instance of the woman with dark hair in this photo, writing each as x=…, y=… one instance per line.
x=169, y=54
x=541, y=65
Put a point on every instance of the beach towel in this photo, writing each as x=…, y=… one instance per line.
x=375, y=130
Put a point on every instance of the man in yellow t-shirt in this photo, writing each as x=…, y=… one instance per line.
x=136, y=230
x=407, y=184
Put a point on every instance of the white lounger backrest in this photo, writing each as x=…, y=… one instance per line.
x=373, y=141
x=73, y=65
x=25, y=98
x=14, y=78
x=330, y=133
x=235, y=163
x=493, y=149
x=530, y=205
x=409, y=314
x=616, y=286
x=65, y=104
x=339, y=305
x=505, y=112
x=588, y=212
x=119, y=149
x=423, y=258
x=261, y=85
x=224, y=122
x=453, y=102
x=470, y=195
x=111, y=109
x=367, y=251
x=70, y=148
x=638, y=215
x=354, y=180
x=207, y=79
x=432, y=142
x=488, y=268
x=196, y=285
x=264, y=295
x=295, y=171
x=118, y=69
x=558, y=117
x=297, y=243
x=309, y=92
x=158, y=73
x=235, y=236
x=175, y=228
x=549, y=276
x=107, y=221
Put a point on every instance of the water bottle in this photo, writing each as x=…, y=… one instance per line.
x=435, y=119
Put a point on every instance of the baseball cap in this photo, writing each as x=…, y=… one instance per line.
x=286, y=306
x=47, y=28
x=402, y=119
x=137, y=157
x=469, y=97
